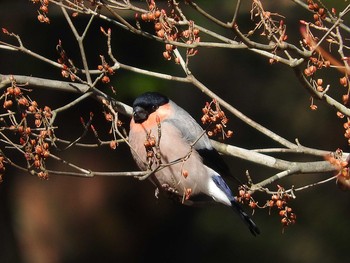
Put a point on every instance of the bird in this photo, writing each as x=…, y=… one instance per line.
x=167, y=141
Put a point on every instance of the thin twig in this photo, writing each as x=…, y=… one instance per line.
x=80, y=40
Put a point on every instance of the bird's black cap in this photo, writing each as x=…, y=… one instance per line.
x=147, y=103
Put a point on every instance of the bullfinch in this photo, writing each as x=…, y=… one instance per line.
x=165, y=139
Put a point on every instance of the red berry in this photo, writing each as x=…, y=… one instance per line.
x=105, y=79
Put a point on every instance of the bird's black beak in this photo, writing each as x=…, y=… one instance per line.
x=139, y=114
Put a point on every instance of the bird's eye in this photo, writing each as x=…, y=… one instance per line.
x=154, y=107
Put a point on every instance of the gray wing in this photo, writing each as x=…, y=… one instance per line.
x=190, y=129
x=193, y=133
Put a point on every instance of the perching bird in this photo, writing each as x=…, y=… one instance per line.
x=163, y=135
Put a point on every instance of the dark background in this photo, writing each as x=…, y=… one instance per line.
x=118, y=219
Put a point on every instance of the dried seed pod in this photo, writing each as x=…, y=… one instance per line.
x=279, y=203
x=169, y=47
x=113, y=144
x=285, y=221
x=37, y=163
x=157, y=26
x=47, y=20
x=319, y=89
x=39, y=149
x=340, y=115
x=150, y=154
x=152, y=141
x=313, y=107
x=307, y=72
x=44, y=9
x=185, y=173
x=253, y=204
x=157, y=14
x=43, y=175
x=105, y=79
x=46, y=154
x=282, y=213
x=17, y=91
x=147, y=144
x=150, y=16
x=161, y=33
x=41, y=18
x=28, y=130
x=321, y=11
x=229, y=134
x=108, y=116
x=144, y=17
x=23, y=101
x=167, y=55
x=8, y=104
x=343, y=81
x=20, y=129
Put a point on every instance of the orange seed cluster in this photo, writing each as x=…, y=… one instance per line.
x=168, y=29
x=280, y=200
x=106, y=69
x=32, y=127
x=43, y=10
x=337, y=160
x=216, y=120
x=150, y=144
x=319, y=12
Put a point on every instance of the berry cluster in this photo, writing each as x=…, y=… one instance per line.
x=315, y=64
x=216, y=120
x=346, y=126
x=319, y=85
x=152, y=155
x=344, y=81
x=245, y=197
x=310, y=70
x=116, y=123
x=31, y=124
x=106, y=69
x=113, y=144
x=323, y=59
x=288, y=217
x=43, y=10
x=166, y=27
x=279, y=200
x=320, y=13
x=337, y=160
x=243, y=194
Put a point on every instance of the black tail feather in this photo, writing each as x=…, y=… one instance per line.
x=247, y=220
